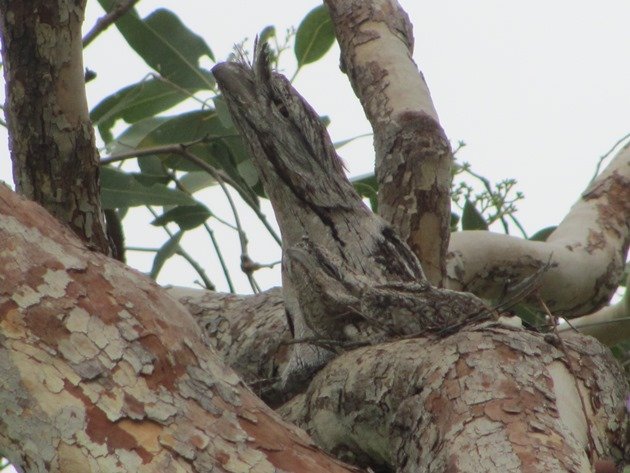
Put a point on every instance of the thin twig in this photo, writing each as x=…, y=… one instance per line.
x=608, y=153
x=107, y=20
x=217, y=250
x=242, y=236
x=518, y=225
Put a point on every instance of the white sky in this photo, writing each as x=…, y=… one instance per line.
x=538, y=90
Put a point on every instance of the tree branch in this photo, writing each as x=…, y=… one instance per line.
x=103, y=371
x=587, y=252
x=413, y=155
x=107, y=20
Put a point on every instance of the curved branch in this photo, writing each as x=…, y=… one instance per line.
x=587, y=252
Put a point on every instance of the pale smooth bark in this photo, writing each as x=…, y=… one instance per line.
x=413, y=155
x=586, y=253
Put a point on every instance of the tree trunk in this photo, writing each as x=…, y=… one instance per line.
x=54, y=155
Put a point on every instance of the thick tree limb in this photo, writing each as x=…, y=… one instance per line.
x=413, y=155
x=101, y=371
x=493, y=399
x=587, y=252
x=54, y=156
x=249, y=332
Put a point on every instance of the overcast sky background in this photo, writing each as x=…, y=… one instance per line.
x=538, y=91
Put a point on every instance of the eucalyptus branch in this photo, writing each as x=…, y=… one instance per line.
x=107, y=20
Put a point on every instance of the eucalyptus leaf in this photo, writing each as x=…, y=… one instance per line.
x=542, y=235
x=131, y=138
x=314, y=36
x=186, y=216
x=454, y=221
x=166, y=45
x=267, y=33
x=196, y=180
x=167, y=250
x=366, y=186
x=472, y=218
x=135, y=102
x=120, y=189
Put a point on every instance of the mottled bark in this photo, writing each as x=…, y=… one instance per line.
x=586, y=253
x=413, y=155
x=488, y=399
x=102, y=371
x=250, y=333
x=51, y=138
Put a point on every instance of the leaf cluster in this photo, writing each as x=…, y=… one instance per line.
x=178, y=155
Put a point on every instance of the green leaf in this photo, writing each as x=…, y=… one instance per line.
x=472, y=219
x=222, y=110
x=530, y=315
x=196, y=180
x=186, y=216
x=314, y=36
x=542, y=235
x=131, y=138
x=224, y=149
x=120, y=189
x=366, y=186
x=166, y=45
x=135, y=102
x=167, y=250
x=151, y=171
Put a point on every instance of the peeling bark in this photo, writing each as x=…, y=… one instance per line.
x=249, y=332
x=101, y=371
x=490, y=398
x=413, y=155
x=53, y=150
